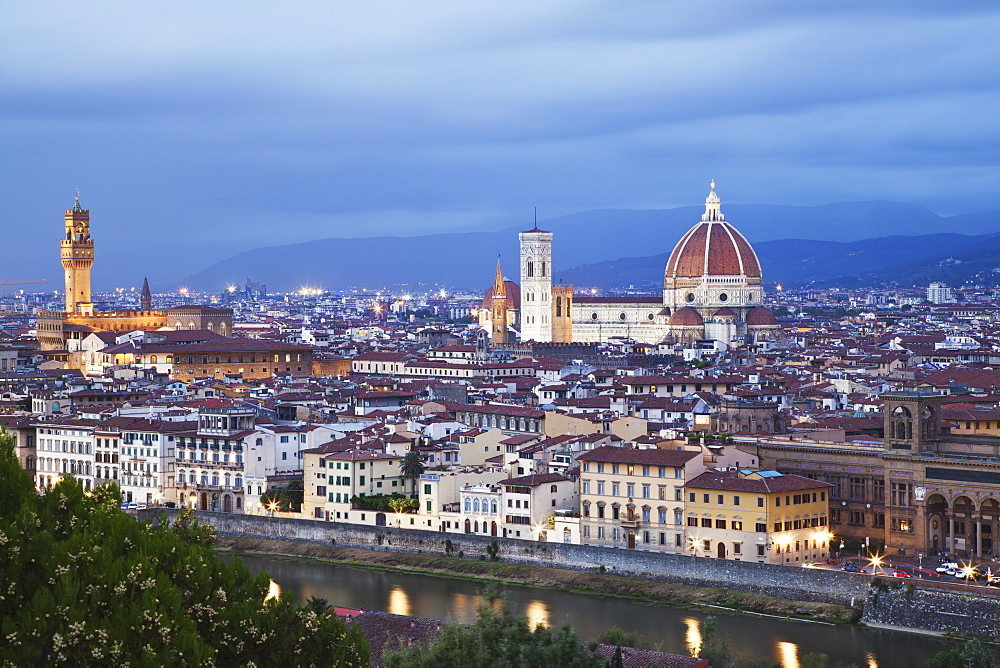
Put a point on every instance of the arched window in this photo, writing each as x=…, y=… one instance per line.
x=475, y=505
x=558, y=307
x=468, y=505
x=152, y=359
x=493, y=506
x=531, y=268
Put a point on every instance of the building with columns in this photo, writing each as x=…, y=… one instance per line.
x=920, y=489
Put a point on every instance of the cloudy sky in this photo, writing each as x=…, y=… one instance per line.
x=198, y=129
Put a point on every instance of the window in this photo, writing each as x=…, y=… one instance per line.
x=630, y=489
x=614, y=489
x=707, y=544
x=706, y=522
x=600, y=488
x=645, y=491
x=691, y=497
x=737, y=548
x=661, y=515
x=760, y=550
x=692, y=521
x=720, y=524
x=721, y=500
x=704, y=498
x=737, y=525
x=586, y=487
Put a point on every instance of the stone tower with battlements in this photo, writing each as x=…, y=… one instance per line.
x=77, y=253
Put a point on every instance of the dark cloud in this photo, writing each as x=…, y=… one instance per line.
x=197, y=130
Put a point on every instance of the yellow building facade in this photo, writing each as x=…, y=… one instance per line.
x=761, y=516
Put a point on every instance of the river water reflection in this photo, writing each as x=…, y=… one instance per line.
x=673, y=630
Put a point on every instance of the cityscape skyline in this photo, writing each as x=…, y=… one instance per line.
x=347, y=121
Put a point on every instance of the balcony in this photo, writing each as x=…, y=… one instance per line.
x=631, y=524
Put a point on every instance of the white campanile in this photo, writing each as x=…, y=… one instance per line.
x=536, y=285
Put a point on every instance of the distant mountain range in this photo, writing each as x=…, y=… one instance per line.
x=608, y=248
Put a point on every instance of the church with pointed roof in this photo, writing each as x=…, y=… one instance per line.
x=712, y=291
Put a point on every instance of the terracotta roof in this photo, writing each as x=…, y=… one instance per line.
x=535, y=480
x=733, y=481
x=713, y=248
x=618, y=455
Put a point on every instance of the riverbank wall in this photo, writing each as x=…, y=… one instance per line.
x=934, y=610
x=792, y=583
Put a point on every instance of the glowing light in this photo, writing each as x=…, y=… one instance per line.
x=872, y=662
x=399, y=601
x=231, y=289
x=273, y=591
x=789, y=654
x=693, y=635
x=537, y=613
x=183, y=291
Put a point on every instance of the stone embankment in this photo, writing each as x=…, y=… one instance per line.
x=796, y=584
x=935, y=610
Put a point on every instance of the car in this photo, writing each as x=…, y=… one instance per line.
x=853, y=568
x=140, y=506
x=130, y=506
x=901, y=574
x=946, y=566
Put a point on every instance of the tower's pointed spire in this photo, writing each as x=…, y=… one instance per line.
x=146, y=297
x=499, y=289
x=76, y=202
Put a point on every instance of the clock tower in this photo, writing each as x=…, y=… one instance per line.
x=77, y=253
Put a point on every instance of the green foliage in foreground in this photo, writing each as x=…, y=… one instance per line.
x=83, y=583
x=498, y=638
x=973, y=654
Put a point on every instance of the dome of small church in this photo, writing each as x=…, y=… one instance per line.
x=761, y=317
x=686, y=317
x=513, y=296
x=713, y=247
x=724, y=312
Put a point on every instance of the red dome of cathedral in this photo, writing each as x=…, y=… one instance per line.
x=686, y=317
x=761, y=317
x=513, y=296
x=713, y=247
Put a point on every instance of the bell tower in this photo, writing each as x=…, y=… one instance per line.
x=77, y=253
x=498, y=318
x=536, y=285
x=912, y=421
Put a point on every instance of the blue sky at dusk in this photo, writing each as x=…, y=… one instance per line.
x=195, y=130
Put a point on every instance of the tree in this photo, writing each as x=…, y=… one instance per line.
x=85, y=583
x=973, y=654
x=498, y=638
x=411, y=467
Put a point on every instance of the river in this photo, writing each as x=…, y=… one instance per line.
x=675, y=630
